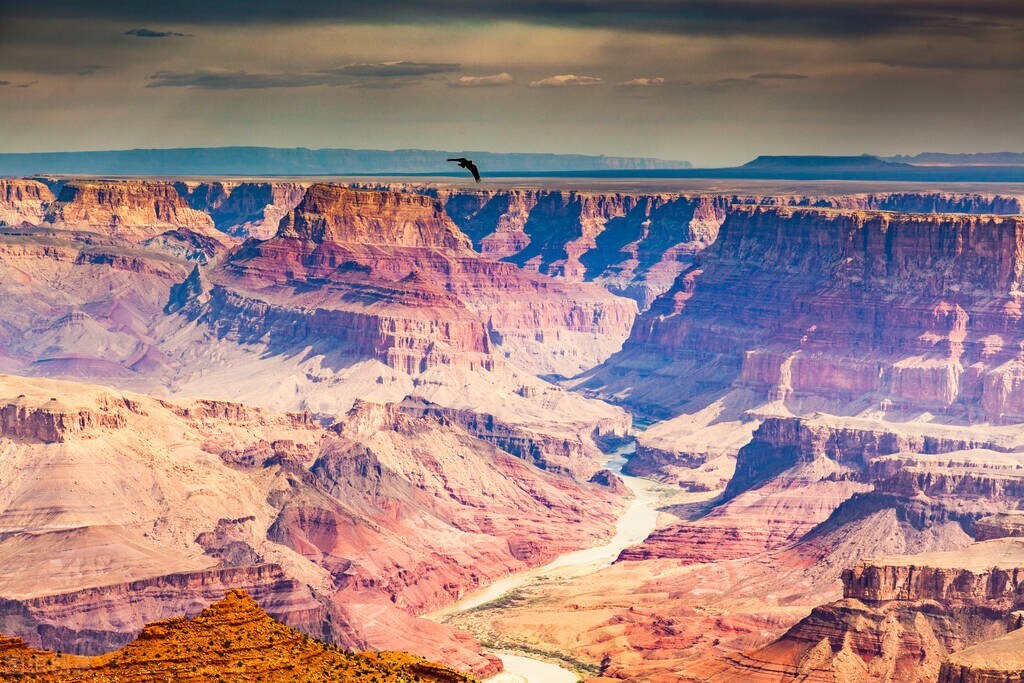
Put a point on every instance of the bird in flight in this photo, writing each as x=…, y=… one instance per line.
x=468, y=164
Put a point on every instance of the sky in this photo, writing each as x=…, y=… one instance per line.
x=715, y=82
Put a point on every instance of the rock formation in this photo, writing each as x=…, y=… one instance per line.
x=899, y=619
x=905, y=311
x=85, y=304
x=635, y=243
x=23, y=201
x=243, y=209
x=394, y=279
x=232, y=639
x=130, y=210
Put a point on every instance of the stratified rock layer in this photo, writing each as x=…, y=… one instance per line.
x=131, y=210
x=391, y=277
x=23, y=201
x=903, y=312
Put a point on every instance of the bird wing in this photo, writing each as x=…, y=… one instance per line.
x=459, y=159
x=473, y=169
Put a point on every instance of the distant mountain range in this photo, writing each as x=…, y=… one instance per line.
x=984, y=159
x=298, y=161
x=259, y=161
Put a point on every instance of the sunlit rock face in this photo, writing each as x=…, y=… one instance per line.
x=391, y=276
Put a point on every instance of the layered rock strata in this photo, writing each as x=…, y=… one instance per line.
x=130, y=210
x=23, y=201
x=828, y=308
x=396, y=280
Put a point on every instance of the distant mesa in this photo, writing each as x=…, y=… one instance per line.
x=864, y=161
x=977, y=159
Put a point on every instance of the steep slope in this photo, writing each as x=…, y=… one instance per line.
x=398, y=279
x=231, y=639
x=899, y=619
x=150, y=508
x=635, y=243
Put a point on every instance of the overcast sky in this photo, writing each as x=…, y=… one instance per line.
x=715, y=82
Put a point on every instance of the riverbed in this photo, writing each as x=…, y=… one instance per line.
x=636, y=523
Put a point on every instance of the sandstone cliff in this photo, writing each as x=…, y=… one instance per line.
x=899, y=619
x=131, y=210
x=23, y=201
x=243, y=209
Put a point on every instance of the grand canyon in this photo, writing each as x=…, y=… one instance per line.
x=536, y=430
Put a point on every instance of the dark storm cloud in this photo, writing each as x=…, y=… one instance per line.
x=378, y=75
x=399, y=70
x=700, y=17
x=150, y=33
x=773, y=76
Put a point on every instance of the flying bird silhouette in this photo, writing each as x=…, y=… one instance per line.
x=468, y=164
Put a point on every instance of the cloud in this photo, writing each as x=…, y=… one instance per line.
x=493, y=80
x=375, y=75
x=642, y=83
x=566, y=80
x=224, y=79
x=150, y=33
x=777, y=76
x=10, y=84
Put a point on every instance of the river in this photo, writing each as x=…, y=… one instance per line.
x=636, y=523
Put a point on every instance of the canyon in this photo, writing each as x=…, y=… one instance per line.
x=366, y=401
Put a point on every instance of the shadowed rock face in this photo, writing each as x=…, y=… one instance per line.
x=635, y=243
x=243, y=209
x=908, y=311
x=232, y=639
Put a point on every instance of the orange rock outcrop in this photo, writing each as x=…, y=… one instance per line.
x=231, y=640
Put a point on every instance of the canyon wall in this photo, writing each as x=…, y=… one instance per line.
x=23, y=201
x=902, y=311
x=395, y=275
x=131, y=210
